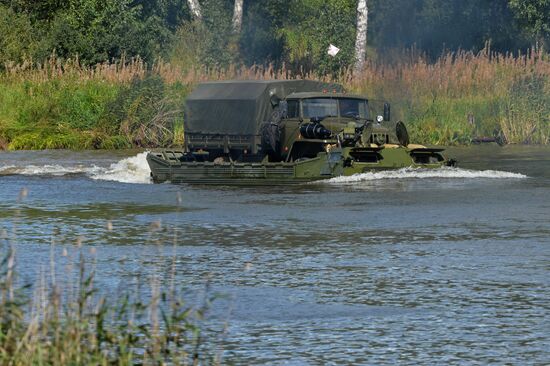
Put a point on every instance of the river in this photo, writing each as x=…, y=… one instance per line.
x=412, y=267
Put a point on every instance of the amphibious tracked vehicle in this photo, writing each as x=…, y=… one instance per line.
x=285, y=132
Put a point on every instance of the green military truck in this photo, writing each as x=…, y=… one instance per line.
x=285, y=132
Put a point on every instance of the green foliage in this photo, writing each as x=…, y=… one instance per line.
x=188, y=51
x=209, y=42
x=80, y=110
x=526, y=112
x=534, y=16
x=76, y=114
x=435, y=26
x=296, y=32
x=47, y=138
x=65, y=104
x=259, y=43
x=311, y=27
x=143, y=113
x=95, y=30
x=444, y=121
x=99, y=31
x=16, y=36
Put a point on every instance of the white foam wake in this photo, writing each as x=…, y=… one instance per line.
x=129, y=170
x=135, y=169
x=415, y=173
x=55, y=170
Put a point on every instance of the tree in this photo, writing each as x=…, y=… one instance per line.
x=310, y=27
x=99, y=31
x=361, y=35
x=237, y=16
x=435, y=26
x=17, y=38
x=534, y=16
x=260, y=41
x=195, y=8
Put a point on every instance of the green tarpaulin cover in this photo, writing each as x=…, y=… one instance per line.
x=239, y=107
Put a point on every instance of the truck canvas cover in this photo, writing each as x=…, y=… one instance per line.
x=240, y=107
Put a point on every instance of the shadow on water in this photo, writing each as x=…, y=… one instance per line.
x=99, y=211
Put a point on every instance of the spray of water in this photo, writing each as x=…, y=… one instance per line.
x=129, y=170
x=412, y=173
x=136, y=170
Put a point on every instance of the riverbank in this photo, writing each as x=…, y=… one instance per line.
x=128, y=104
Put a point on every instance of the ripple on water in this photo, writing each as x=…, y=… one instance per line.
x=432, y=270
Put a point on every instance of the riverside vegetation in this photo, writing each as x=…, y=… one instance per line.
x=83, y=74
x=69, y=319
x=460, y=96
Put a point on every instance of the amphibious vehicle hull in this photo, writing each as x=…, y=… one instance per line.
x=171, y=166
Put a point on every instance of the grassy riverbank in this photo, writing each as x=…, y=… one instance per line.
x=452, y=101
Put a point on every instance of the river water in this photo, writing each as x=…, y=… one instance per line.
x=443, y=267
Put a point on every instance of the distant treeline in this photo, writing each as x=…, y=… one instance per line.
x=295, y=33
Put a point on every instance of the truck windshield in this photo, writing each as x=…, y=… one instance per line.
x=329, y=107
x=319, y=107
x=353, y=107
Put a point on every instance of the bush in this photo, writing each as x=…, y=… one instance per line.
x=142, y=113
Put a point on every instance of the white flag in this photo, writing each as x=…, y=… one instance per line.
x=333, y=50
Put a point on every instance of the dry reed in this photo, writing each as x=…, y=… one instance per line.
x=434, y=97
x=70, y=320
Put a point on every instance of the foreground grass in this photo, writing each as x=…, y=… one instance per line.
x=452, y=101
x=77, y=325
x=72, y=321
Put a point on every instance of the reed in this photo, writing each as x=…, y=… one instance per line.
x=72, y=321
x=460, y=96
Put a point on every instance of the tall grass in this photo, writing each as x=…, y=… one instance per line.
x=72, y=321
x=463, y=95
x=459, y=97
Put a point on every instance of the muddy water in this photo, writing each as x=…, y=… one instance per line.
x=444, y=267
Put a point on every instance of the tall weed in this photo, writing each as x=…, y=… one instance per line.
x=71, y=321
x=461, y=96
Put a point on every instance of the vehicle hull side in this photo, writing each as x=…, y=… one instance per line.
x=166, y=166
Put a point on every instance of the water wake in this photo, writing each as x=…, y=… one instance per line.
x=135, y=169
x=129, y=170
x=413, y=173
x=55, y=170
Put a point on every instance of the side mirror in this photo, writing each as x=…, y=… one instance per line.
x=387, y=115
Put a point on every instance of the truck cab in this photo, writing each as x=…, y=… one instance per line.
x=337, y=113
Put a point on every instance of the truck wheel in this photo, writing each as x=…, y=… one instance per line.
x=402, y=134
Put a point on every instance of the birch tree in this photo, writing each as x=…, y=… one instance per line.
x=237, y=16
x=195, y=8
x=361, y=35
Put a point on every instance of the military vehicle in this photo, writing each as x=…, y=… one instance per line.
x=285, y=132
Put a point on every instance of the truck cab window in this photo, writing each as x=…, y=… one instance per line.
x=319, y=107
x=293, y=110
x=353, y=107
